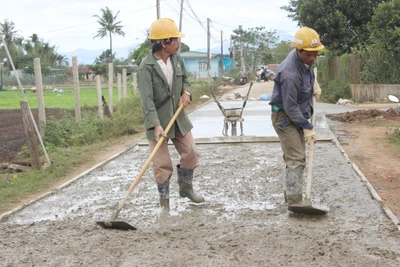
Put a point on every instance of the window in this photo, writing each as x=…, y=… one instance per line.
x=202, y=66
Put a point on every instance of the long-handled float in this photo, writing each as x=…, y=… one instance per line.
x=121, y=225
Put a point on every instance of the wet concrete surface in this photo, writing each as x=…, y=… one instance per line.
x=208, y=121
x=243, y=222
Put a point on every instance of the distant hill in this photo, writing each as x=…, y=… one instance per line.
x=86, y=56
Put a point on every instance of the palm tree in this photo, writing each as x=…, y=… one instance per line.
x=61, y=60
x=109, y=24
x=7, y=29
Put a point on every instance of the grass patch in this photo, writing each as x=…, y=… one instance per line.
x=10, y=99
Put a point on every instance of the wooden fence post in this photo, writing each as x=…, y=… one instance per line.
x=99, y=96
x=33, y=144
x=39, y=95
x=110, y=86
x=119, y=86
x=134, y=82
x=124, y=83
x=75, y=74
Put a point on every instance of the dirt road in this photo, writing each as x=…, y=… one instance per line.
x=244, y=221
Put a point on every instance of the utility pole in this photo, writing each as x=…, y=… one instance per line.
x=242, y=66
x=208, y=53
x=180, y=24
x=158, y=8
x=222, y=55
x=234, y=53
x=230, y=53
x=180, y=17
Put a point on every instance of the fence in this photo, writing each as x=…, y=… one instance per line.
x=373, y=92
x=348, y=68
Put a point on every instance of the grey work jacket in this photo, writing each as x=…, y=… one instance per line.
x=158, y=103
x=293, y=90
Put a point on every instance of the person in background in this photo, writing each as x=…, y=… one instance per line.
x=292, y=107
x=243, y=76
x=163, y=86
x=260, y=72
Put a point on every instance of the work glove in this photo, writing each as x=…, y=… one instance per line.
x=310, y=136
x=317, y=90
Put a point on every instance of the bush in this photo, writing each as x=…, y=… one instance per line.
x=333, y=90
x=127, y=119
x=66, y=132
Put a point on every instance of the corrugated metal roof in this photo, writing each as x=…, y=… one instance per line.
x=81, y=69
x=195, y=54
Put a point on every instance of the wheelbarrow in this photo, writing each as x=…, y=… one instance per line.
x=232, y=116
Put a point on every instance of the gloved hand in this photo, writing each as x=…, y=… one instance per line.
x=317, y=90
x=310, y=136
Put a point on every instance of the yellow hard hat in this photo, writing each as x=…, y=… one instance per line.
x=307, y=39
x=164, y=28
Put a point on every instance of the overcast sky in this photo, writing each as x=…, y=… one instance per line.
x=70, y=25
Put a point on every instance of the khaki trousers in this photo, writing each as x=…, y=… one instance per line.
x=162, y=163
x=292, y=141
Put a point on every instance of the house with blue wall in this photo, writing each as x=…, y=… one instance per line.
x=196, y=63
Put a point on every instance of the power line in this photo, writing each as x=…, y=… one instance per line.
x=175, y=10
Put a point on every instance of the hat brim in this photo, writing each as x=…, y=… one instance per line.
x=314, y=48
x=179, y=35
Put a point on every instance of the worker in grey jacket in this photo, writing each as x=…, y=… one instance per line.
x=292, y=107
x=163, y=86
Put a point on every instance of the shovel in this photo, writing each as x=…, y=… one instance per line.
x=307, y=207
x=111, y=223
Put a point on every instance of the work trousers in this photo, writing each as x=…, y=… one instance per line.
x=291, y=139
x=162, y=163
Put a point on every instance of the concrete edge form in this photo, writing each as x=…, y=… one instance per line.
x=11, y=212
x=235, y=139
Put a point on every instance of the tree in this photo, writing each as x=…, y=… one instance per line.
x=62, y=60
x=109, y=25
x=103, y=57
x=142, y=51
x=342, y=25
x=281, y=51
x=7, y=29
x=385, y=27
x=184, y=47
x=257, y=44
x=24, y=51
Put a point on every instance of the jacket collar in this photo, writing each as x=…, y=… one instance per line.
x=151, y=60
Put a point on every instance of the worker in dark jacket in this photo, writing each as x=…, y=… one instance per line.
x=292, y=107
x=163, y=86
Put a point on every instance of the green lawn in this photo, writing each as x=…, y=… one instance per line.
x=10, y=99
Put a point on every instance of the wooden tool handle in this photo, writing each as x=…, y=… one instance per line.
x=311, y=156
x=147, y=163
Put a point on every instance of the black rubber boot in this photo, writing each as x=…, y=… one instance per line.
x=185, y=178
x=163, y=190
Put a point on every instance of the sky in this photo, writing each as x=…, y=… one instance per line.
x=70, y=25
